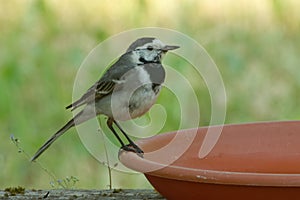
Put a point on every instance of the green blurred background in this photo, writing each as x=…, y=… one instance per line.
x=255, y=44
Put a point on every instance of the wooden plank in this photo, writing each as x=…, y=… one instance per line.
x=81, y=194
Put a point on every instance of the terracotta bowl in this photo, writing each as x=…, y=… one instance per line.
x=249, y=161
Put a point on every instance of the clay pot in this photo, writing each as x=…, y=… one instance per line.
x=249, y=161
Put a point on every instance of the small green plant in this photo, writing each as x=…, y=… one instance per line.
x=13, y=191
x=107, y=163
x=66, y=183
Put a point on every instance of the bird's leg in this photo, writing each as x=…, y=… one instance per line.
x=131, y=143
x=109, y=123
x=131, y=147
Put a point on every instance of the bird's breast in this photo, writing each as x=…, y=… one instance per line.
x=135, y=94
x=142, y=100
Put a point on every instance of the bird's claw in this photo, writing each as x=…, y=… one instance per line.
x=133, y=148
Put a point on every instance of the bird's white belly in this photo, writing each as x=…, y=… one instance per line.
x=142, y=101
x=125, y=107
x=132, y=98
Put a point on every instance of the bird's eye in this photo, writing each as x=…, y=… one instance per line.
x=150, y=48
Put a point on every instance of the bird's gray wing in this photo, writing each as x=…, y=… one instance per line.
x=97, y=91
x=104, y=86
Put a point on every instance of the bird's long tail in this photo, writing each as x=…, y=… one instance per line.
x=53, y=138
x=82, y=116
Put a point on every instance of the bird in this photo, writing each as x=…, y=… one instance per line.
x=127, y=90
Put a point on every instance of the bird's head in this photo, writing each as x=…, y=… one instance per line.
x=149, y=50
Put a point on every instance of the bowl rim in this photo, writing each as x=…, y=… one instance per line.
x=135, y=162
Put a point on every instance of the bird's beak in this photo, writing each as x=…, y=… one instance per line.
x=169, y=47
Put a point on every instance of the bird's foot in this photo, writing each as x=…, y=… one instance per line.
x=133, y=148
x=136, y=147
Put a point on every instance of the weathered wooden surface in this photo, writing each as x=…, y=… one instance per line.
x=82, y=194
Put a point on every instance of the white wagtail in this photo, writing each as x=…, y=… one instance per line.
x=127, y=90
